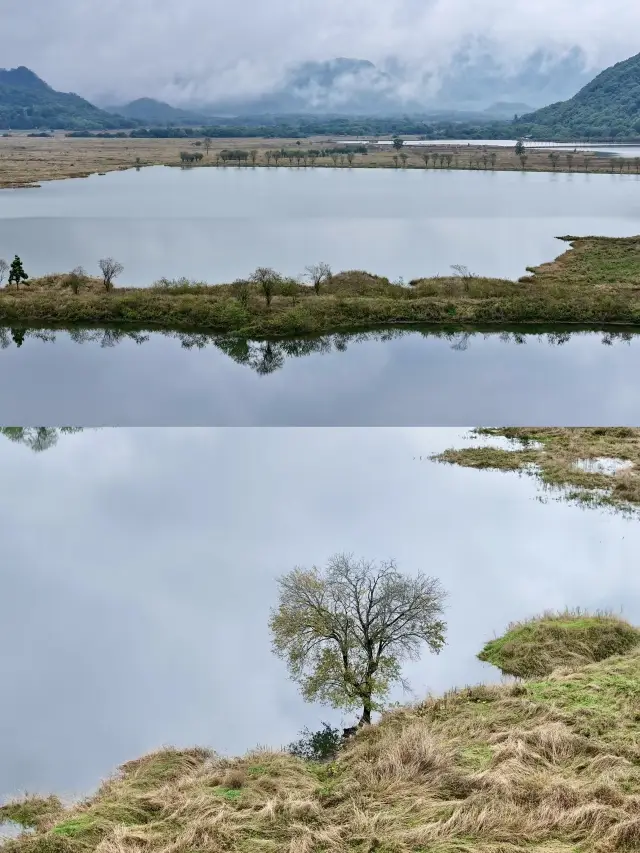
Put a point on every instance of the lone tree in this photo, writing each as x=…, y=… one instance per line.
x=268, y=279
x=344, y=632
x=318, y=274
x=110, y=269
x=17, y=273
x=207, y=143
x=4, y=266
x=519, y=147
x=397, y=143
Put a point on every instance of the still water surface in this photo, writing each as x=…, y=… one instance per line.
x=408, y=377
x=221, y=223
x=140, y=565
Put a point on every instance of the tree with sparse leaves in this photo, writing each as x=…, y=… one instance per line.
x=318, y=274
x=268, y=279
x=4, y=266
x=110, y=269
x=344, y=632
x=16, y=272
x=206, y=142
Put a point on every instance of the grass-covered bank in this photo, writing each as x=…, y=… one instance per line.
x=546, y=765
x=598, y=466
x=597, y=282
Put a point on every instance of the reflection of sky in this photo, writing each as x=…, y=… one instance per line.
x=140, y=566
x=411, y=380
x=221, y=223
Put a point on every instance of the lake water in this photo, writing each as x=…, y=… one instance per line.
x=140, y=565
x=399, y=378
x=221, y=223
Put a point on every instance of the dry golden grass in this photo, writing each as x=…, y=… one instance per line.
x=542, y=766
x=554, y=454
x=27, y=161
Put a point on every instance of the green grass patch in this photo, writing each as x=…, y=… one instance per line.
x=595, y=283
x=536, y=647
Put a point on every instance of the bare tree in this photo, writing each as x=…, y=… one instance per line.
x=350, y=156
x=404, y=158
x=207, y=144
x=110, y=269
x=4, y=268
x=523, y=160
x=493, y=157
x=318, y=274
x=554, y=157
x=253, y=156
x=345, y=632
x=426, y=158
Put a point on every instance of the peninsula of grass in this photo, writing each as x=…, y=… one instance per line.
x=595, y=283
x=598, y=466
x=545, y=765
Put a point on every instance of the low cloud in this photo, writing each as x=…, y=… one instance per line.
x=199, y=50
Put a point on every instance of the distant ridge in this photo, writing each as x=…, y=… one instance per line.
x=28, y=103
x=608, y=106
x=152, y=111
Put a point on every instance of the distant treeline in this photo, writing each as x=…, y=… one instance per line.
x=302, y=127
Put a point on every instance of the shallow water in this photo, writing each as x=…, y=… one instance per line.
x=406, y=377
x=139, y=568
x=217, y=224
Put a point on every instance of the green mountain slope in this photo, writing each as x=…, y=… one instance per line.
x=608, y=106
x=158, y=112
x=27, y=102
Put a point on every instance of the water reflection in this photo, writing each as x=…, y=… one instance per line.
x=268, y=356
x=37, y=438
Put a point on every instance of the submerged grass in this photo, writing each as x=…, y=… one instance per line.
x=550, y=765
x=597, y=282
x=554, y=455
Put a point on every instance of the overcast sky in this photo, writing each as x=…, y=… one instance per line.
x=141, y=46
x=139, y=567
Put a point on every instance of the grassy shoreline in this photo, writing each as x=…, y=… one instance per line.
x=548, y=764
x=570, y=462
x=26, y=162
x=595, y=283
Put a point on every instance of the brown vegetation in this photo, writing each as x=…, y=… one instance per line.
x=563, y=459
x=550, y=765
x=27, y=161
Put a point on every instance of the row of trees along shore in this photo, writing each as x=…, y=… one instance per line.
x=346, y=155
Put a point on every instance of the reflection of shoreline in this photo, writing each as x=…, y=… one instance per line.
x=268, y=356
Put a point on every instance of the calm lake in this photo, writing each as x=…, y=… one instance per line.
x=221, y=223
x=96, y=378
x=140, y=565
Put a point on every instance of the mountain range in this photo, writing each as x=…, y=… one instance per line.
x=348, y=86
x=27, y=102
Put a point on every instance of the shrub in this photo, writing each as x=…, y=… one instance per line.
x=317, y=746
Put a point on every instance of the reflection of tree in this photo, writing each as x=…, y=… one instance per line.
x=37, y=438
x=265, y=357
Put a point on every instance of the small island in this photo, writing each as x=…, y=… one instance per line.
x=595, y=283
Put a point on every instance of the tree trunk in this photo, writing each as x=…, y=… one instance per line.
x=365, y=719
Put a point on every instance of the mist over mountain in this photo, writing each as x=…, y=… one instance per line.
x=472, y=82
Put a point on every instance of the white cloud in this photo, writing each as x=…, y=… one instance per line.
x=135, y=47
